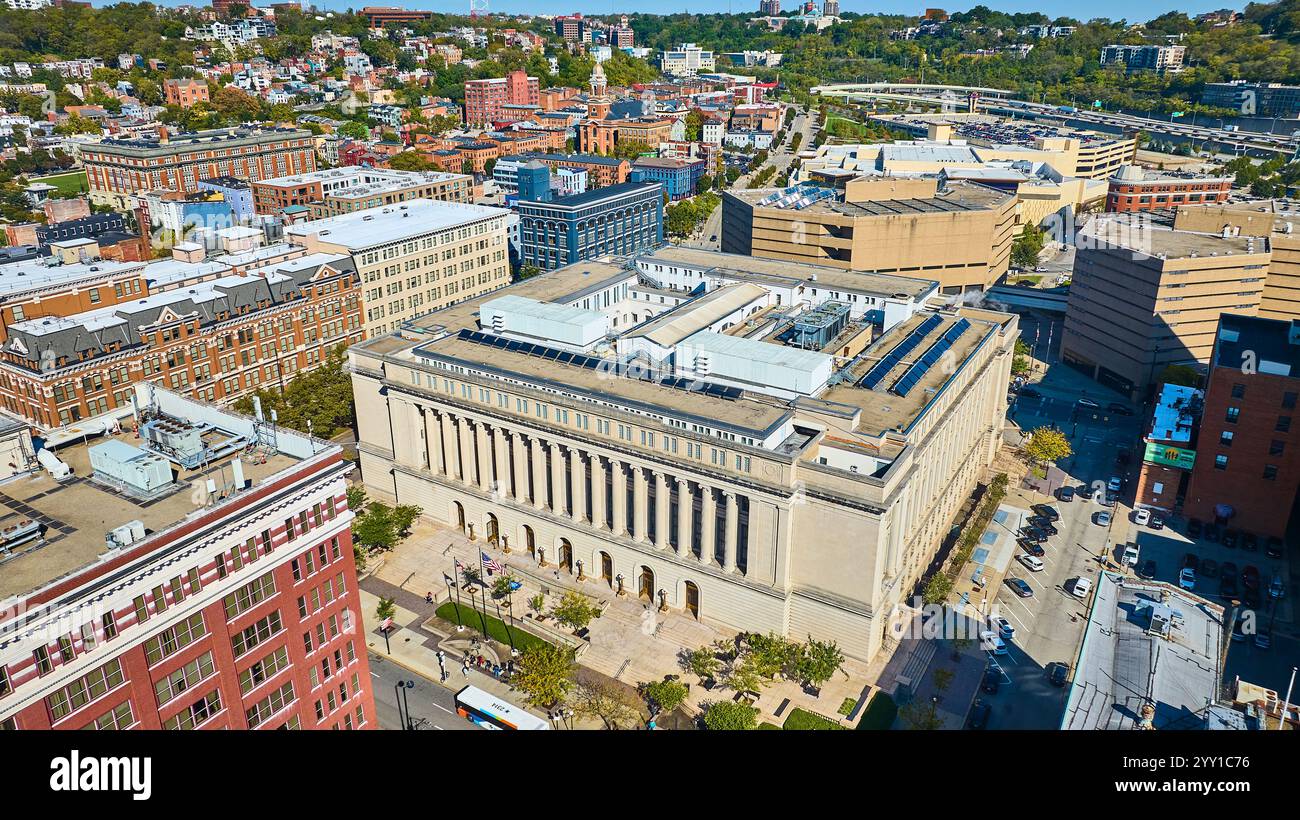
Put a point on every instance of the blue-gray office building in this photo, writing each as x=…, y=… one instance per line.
x=618, y=220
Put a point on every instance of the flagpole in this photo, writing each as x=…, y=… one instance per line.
x=458, y=621
x=447, y=579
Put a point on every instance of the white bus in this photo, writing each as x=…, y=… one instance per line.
x=491, y=712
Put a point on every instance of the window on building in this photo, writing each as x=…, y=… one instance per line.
x=1233, y=413
x=1283, y=424
x=1270, y=472
x=1225, y=438
x=1238, y=391
x=1220, y=462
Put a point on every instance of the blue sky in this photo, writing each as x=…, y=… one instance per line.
x=1114, y=9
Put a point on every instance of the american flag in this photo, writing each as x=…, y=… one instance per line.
x=492, y=564
x=458, y=565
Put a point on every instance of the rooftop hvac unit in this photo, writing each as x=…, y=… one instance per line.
x=136, y=471
x=124, y=536
x=53, y=464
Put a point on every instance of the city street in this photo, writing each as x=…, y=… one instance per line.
x=432, y=705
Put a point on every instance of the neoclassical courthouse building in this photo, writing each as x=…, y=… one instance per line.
x=769, y=446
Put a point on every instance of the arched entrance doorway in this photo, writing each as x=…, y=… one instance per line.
x=693, y=599
x=529, y=541
x=566, y=555
x=645, y=586
x=459, y=514
x=492, y=530
x=607, y=569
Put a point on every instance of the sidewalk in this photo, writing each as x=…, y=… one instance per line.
x=632, y=642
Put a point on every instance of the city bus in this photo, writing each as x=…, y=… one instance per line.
x=491, y=712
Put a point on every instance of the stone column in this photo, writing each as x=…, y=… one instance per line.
x=501, y=457
x=484, y=456
x=729, y=533
x=641, y=505
x=451, y=445
x=539, y=473
x=598, y=500
x=578, y=482
x=685, y=517
x=619, y=490
x=559, y=480
x=708, y=525
x=519, y=454
x=433, y=435
x=465, y=436
x=661, y=511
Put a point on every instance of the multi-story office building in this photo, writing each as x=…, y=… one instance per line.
x=485, y=99
x=1133, y=189
x=117, y=169
x=614, y=220
x=961, y=235
x=1247, y=467
x=202, y=329
x=1254, y=99
x=678, y=176
x=416, y=256
x=1144, y=298
x=574, y=28
x=710, y=487
x=185, y=92
x=86, y=227
x=1145, y=58
x=769, y=8
x=1277, y=219
x=380, y=16
x=341, y=190
x=686, y=60
x=1169, y=449
x=133, y=602
x=601, y=171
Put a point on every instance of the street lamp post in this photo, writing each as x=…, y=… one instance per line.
x=409, y=684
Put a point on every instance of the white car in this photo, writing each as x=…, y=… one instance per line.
x=1141, y=517
x=990, y=641
x=1130, y=556
x=1114, y=484
x=1103, y=519
x=1187, y=579
x=1004, y=627
x=1081, y=588
x=1032, y=563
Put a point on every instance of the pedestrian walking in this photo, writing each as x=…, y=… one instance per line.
x=428, y=597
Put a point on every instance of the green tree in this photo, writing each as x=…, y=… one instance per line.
x=355, y=130
x=375, y=529
x=703, y=663
x=610, y=703
x=728, y=716
x=544, y=673
x=356, y=498
x=1026, y=247
x=666, y=694
x=387, y=609
x=1047, y=446
x=1180, y=374
x=404, y=515
x=575, y=611
x=818, y=661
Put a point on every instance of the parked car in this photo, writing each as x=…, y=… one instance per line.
x=1123, y=457
x=1065, y=494
x=1058, y=673
x=992, y=680
x=1115, y=484
x=1249, y=541
x=1157, y=522
x=1187, y=578
x=1031, y=392
x=1047, y=511
x=1081, y=587
x=1209, y=568
x=1142, y=517
x=1102, y=519
x=1194, y=528
x=990, y=641
x=1003, y=627
x=1148, y=569
x=1044, y=525
x=1211, y=532
x=1086, y=491
x=1031, y=547
x=1274, y=547
x=1020, y=587
x=1119, y=409
x=1032, y=563
x=979, y=714
x=1087, y=404
x=1190, y=561
x=1250, y=577
x=1033, y=534
x=1229, y=539
x=1130, y=556
x=1228, y=570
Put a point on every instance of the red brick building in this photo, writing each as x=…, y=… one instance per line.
x=380, y=16
x=1169, y=449
x=1248, y=451
x=484, y=98
x=1132, y=189
x=185, y=92
x=241, y=614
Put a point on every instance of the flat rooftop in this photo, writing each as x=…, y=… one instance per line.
x=780, y=272
x=1122, y=667
x=959, y=196
x=1168, y=243
x=390, y=223
x=18, y=277
x=77, y=514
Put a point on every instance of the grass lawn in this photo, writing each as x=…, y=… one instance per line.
x=476, y=620
x=803, y=720
x=70, y=183
x=768, y=727
x=880, y=713
x=1033, y=280
x=846, y=708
